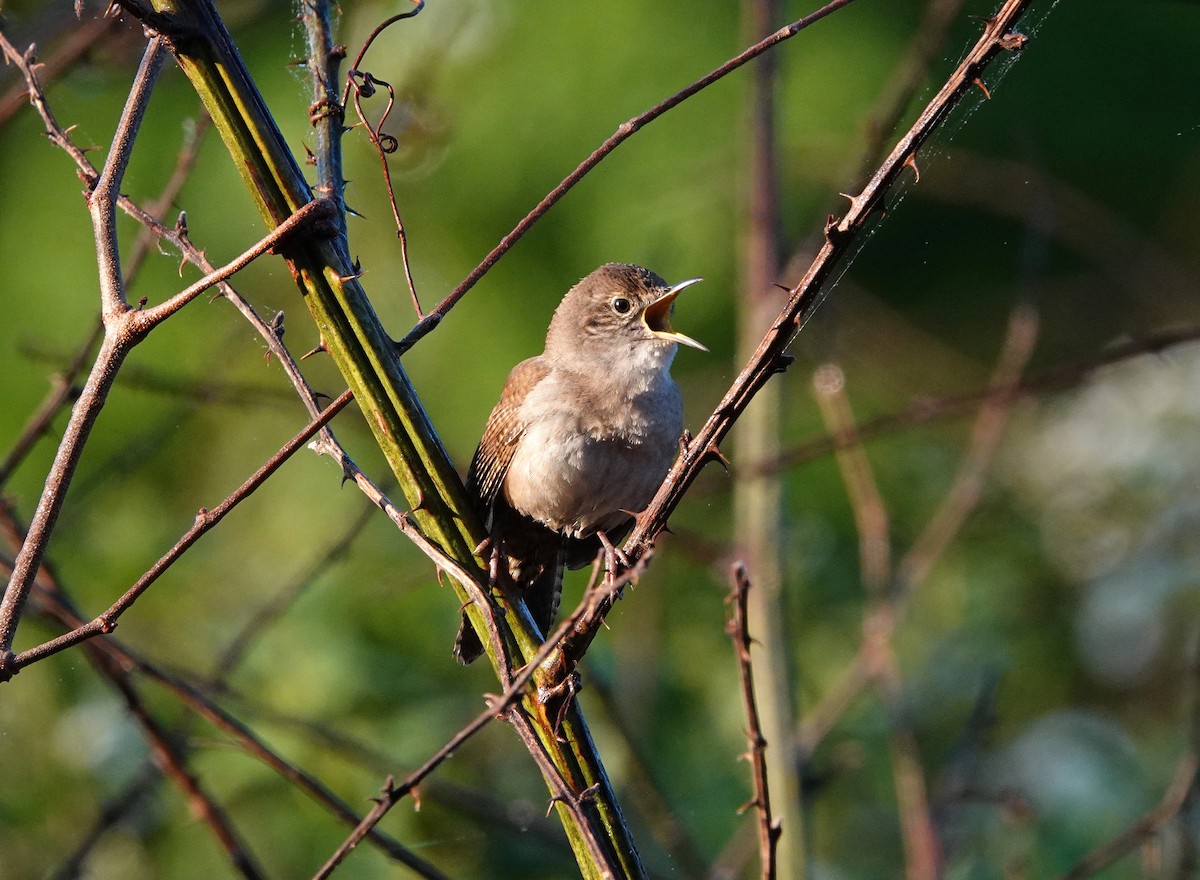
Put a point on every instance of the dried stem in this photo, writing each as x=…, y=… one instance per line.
x=1183, y=783
x=365, y=85
x=938, y=408
x=757, y=502
x=985, y=438
x=624, y=131
x=124, y=327
x=502, y=706
x=870, y=513
x=998, y=37
x=114, y=655
x=205, y=520
x=769, y=830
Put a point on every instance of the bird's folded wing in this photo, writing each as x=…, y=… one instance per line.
x=504, y=429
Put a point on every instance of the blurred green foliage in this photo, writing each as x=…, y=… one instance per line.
x=1066, y=607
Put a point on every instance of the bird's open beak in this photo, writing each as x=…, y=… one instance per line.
x=658, y=316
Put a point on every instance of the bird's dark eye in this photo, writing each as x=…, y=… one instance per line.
x=621, y=305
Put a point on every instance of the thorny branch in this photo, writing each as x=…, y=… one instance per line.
x=626, y=130
x=999, y=37
x=108, y=655
x=206, y=519
x=593, y=605
x=769, y=829
x=503, y=706
x=124, y=328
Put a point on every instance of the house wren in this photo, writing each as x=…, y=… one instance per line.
x=582, y=436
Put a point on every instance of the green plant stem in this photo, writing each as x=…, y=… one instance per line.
x=354, y=338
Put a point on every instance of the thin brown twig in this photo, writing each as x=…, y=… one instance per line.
x=205, y=520
x=877, y=650
x=770, y=358
x=364, y=86
x=119, y=656
x=986, y=432
x=170, y=758
x=498, y=706
x=769, y=829
x=1109, y=852
x=114, y=667
x=117, y=342
x=758, y=503
x=326, y=114
x=870, y=512
x=935, y=409
x=309, y=214
x=418, y=5
x=624, y=131
x=102, y=197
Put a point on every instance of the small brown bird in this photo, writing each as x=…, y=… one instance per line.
x=582, y=436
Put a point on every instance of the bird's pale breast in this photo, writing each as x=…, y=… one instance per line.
x=580, y=467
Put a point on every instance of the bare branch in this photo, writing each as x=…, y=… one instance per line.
x=770, y=358
x=205, y=520
x=929, y=410
x=769, y=830
x=313, y=212
x=870, y=512
x=1183, y=783
x=985, y=438
x=103, y=196
x=624, y=131
x=503, y=706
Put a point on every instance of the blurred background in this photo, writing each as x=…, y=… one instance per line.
x=1035, y=686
